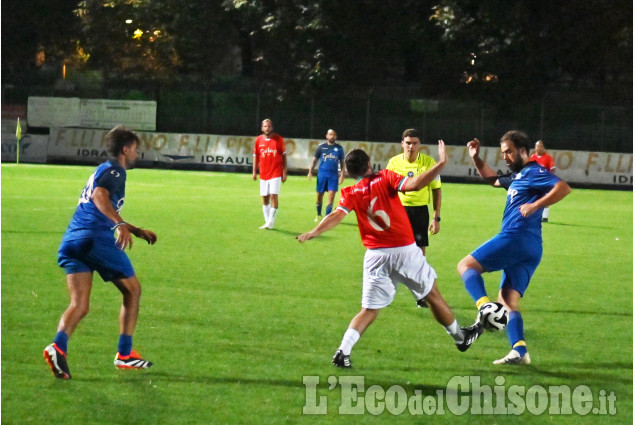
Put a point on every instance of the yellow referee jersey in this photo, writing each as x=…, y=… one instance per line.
x=400, y=165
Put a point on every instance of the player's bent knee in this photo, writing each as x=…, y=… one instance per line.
x=82, y=310
x=467, y=263
x=129, y=287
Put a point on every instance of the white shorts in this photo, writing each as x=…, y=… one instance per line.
x=270, y=187
x=384, y=268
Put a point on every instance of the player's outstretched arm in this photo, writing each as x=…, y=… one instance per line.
x=474, y=148
x=329, y=222
x=424, y=179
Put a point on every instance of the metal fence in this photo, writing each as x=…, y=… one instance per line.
x=379, y=114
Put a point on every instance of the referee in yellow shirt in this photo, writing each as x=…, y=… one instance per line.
x=412, y=163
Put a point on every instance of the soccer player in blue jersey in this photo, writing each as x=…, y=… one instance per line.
x=89, y=245
x=517, y=249
x=330, y=154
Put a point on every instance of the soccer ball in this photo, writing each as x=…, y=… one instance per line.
x=493, y=316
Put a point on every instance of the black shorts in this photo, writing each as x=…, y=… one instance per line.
x=420, y=221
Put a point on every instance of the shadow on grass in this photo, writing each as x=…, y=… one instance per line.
x=150, y=375
x=587, y=373
x=426, y=389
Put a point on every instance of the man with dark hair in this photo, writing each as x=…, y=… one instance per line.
x=412, y=163
x=89, y=245
x=517, y=249
x=391, y=256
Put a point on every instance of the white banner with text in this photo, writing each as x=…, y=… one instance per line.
x=88, y=145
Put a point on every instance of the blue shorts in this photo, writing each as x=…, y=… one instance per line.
x=517, y=255
x=327, y=181
x=95, y=254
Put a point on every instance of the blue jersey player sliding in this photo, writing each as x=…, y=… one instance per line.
x=89, y=245
x=517, y=249
x=331, y=157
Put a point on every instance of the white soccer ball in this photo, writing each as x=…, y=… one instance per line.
x=493, y=316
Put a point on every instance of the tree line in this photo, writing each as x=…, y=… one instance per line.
x=492, y=49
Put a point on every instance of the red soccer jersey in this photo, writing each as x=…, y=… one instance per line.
x=382, y=220
x=269, y=152
x=545, y=160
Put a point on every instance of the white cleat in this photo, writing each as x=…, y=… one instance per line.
x=268, y=226
x=514, y=357
x=318, y=218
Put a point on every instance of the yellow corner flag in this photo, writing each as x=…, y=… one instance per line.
x=18, y=135
x=18, y=130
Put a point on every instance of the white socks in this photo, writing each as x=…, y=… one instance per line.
x=269, y=213
x=454, y=330
x=351, y=336
x=272, y=216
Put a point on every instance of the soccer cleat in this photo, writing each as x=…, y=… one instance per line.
x=57, y=361
x=318, y=218
x=470, y=334
x=341, y=360
x=422, y=303
x=267, y=225
x=514, y=357
x=133, y=361
x=545, y=220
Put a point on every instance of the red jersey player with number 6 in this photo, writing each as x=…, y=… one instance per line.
x=392, y=256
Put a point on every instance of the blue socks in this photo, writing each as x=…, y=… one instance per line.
x=318, y=207
x=124, y=349
x=61, y=340
x=515, y=332
x=125, y=345
x=475, y=286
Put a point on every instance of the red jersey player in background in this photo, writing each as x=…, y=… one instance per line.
x=541, y=156
x=392, y=256
x=271, y=158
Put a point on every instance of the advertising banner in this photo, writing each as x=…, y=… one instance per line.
x=87, y=145
x=91, y=113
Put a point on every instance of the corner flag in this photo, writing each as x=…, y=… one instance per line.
x=18, y=136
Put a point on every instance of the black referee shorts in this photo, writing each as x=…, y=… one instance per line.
x=420, y=221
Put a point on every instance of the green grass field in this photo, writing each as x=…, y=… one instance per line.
x=234, y=317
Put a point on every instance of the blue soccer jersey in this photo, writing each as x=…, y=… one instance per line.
x=330, y=157
x=525, y=187
x=88, y=221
